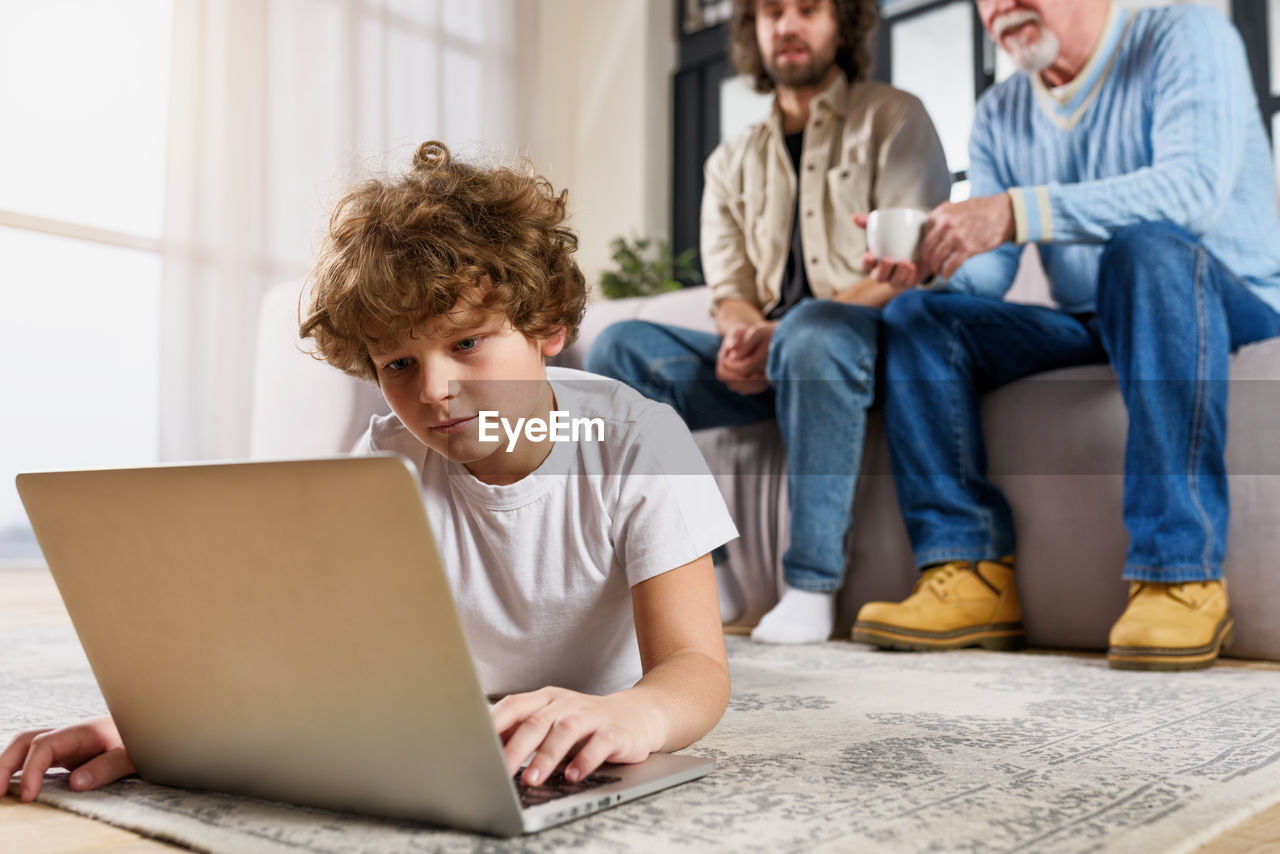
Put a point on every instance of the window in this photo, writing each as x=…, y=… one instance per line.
x=915, y=39
x=164, y=163
x=940, y=35
x=741, y=106
x=81, y=207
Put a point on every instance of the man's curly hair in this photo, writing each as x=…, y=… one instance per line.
x=856, y=23
x=403, y=251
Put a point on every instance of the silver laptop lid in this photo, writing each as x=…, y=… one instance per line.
x=283, y=630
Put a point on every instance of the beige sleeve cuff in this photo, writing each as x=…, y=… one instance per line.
x=1032, y=214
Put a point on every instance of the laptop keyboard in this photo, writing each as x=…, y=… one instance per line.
x=556, y=786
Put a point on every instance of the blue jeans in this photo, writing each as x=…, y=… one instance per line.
x=822, y=369
x=1168, y=316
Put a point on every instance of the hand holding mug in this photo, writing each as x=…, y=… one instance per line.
x=957, y=232
x=893, y=240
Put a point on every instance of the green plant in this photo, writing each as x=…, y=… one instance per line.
x=646, y=266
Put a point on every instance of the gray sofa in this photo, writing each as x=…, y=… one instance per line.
x=1056, y=449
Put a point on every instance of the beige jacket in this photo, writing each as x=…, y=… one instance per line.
x=866, y=146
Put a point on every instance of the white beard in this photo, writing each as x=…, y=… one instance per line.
x=1029, y=55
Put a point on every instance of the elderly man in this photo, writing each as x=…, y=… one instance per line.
x=797, y=315
x=1130, y=148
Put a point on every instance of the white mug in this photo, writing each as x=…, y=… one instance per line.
x=894, y=233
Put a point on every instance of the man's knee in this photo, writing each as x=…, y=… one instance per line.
x=1145, y=240
x=906, y=309
x=825, y=317
x=817, y=335
x=1127, y=268
x=923, y=312
x=615, y=350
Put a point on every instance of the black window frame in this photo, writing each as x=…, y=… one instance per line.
x=1251, y=19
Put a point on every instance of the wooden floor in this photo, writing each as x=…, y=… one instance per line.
x=28, y=598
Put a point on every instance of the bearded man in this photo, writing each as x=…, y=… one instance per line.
x=797, y=315
x=1131, y=150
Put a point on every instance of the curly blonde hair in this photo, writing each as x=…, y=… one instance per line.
x=855, y=21
x=403, y=251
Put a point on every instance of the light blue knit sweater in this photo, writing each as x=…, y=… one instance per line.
x=1162, y=124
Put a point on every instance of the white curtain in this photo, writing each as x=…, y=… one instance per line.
x=274, y=107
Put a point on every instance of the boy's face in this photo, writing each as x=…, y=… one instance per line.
x=438, y=379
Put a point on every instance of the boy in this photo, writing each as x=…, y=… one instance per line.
x=582, y=571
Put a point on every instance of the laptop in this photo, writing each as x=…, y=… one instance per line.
x=285, y=630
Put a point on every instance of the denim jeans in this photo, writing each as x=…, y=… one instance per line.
x=1168, y=316
x=821, y=368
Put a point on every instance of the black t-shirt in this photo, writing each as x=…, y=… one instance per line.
x=795, y=282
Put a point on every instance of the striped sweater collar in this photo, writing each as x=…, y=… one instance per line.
x=1067, y=107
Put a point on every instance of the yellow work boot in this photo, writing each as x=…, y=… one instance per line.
x=1171, y=626
x=956, y=604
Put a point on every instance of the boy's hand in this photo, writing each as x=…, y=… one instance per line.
x=92, y=750
x=553, y=723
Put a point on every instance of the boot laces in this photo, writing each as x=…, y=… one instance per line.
x=1189, y=593
x=939, y=578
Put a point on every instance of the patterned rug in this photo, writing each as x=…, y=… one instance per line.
x=831, y=747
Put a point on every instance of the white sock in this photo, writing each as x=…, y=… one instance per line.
x=731, y=604
x=800, y=616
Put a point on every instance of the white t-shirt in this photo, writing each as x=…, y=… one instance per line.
x=542, y=569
